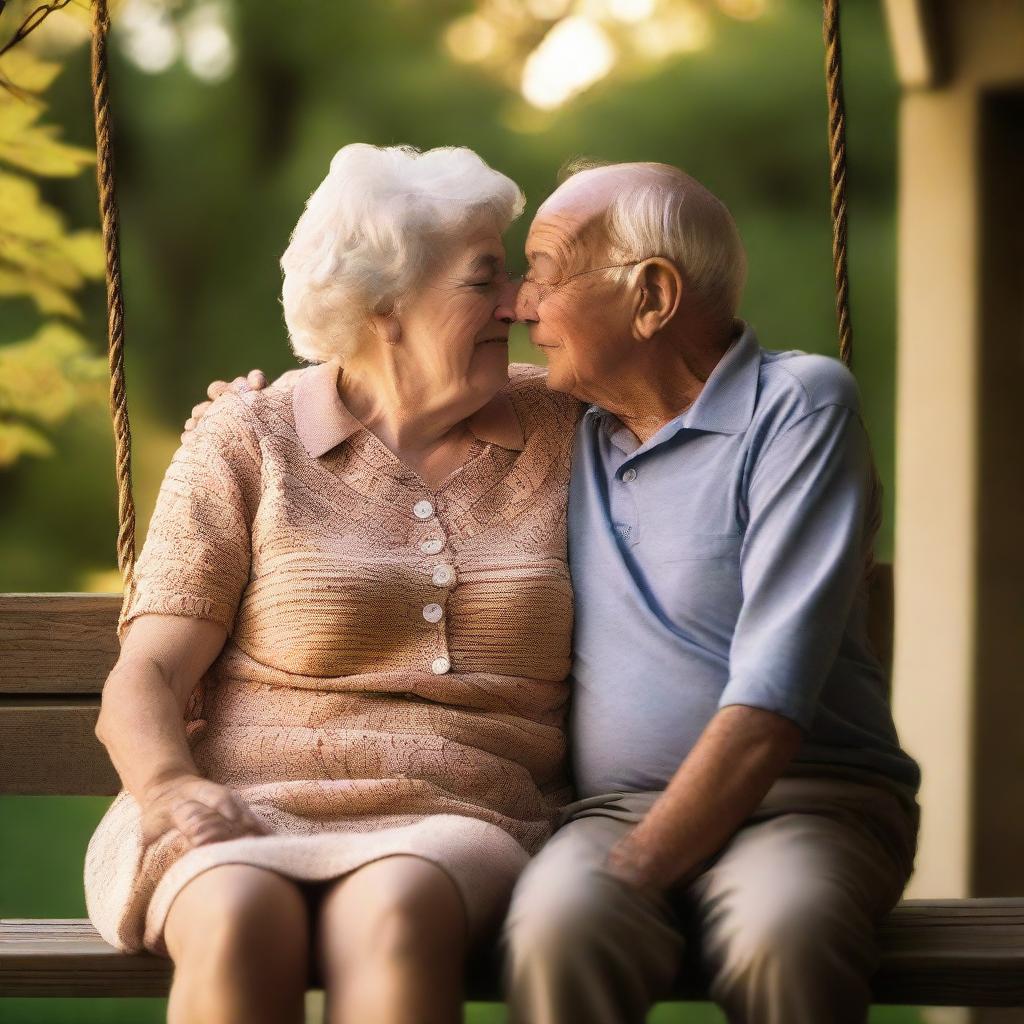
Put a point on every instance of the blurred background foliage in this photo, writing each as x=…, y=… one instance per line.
x=226, y=117
x=46, y=377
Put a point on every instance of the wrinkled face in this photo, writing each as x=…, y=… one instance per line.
x=577, y=314
x=455, y=326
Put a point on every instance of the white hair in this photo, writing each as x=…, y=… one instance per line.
x=669, y=213
x=370, y=230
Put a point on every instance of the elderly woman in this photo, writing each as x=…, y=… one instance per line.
x=344, y=653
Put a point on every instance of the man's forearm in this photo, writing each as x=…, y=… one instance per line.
x=739, y=755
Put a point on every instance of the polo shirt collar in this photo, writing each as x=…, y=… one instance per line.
x=322, y=420
x=725, y=404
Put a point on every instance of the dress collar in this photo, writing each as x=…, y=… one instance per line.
x=322, y=420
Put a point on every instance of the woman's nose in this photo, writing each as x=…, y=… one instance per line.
x=505, y=311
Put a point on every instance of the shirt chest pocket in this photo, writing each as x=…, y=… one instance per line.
x=700, y=547
x=696, y=579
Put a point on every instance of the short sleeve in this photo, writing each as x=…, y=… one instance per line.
x=196, y=558
x=812, y=505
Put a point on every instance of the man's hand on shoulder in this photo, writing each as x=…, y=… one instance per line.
x=255, y=381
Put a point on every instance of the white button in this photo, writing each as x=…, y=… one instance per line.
x=629, y=475
x=423, y=510
x=443, y=575
x=433, y=612
x=439, y=666
x=431, y=546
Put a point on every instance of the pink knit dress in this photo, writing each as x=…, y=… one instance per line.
x=394, y=677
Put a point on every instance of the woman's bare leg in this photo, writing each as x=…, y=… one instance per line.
x=239, y=939
x=390, y=944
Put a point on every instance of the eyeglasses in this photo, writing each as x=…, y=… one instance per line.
x=545, y=288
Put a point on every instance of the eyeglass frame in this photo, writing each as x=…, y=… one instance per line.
x=549, y=288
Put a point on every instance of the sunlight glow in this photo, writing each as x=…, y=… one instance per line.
x=209, y=51
x=147, y=35
x=570, y=58
x=744, y=10
x=153, y=40
x=681, y=30
x=631, y=10
x=471, y=38
x=547, y=10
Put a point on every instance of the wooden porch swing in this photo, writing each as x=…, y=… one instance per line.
x=56, y=651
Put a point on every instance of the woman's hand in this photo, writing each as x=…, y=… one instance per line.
x=202, y=810
x=256, y=380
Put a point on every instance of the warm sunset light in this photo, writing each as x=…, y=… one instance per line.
x=471, y=38
x=572, y=56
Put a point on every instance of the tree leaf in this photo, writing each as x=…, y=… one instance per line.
x=48, y=299
x=18, y=439
x=23, y=213
x=27, y=71
x=36, y=148
x=85, y=249
x=38, y=258
x=46, y=377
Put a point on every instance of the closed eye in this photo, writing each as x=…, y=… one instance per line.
x=532, y=277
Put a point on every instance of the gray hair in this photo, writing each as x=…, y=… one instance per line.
x=669, y=213
x=370, y=231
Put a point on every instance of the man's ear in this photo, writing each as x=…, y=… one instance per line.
x=659, y=291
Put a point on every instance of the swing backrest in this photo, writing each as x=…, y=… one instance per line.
x=56, y=650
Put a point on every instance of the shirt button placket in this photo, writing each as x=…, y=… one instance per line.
x=441, y=576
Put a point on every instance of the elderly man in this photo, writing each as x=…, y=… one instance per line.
x=741, y=780
x=742, y=787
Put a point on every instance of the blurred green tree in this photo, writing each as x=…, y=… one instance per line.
x=43, y=378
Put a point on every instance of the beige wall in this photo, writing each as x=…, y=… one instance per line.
x=936, y=475
x=960, y=367
x=959, y=552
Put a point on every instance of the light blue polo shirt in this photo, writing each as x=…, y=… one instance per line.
x=724, y=562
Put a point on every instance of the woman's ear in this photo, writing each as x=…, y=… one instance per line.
x=659, y=292
x=386, y=326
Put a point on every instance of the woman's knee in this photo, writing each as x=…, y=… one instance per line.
x=399, y=906
x=237, y=908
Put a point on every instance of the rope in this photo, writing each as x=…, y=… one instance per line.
x=837, y=177
x=115, y=297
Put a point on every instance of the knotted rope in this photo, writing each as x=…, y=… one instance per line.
x=837, y=175
x=115, y=297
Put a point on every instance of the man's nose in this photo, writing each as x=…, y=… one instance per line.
x=526, y=303
x=505, y=311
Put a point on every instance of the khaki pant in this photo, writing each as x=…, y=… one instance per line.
x=782, y=918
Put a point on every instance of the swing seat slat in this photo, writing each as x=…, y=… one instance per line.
x=966, y=952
